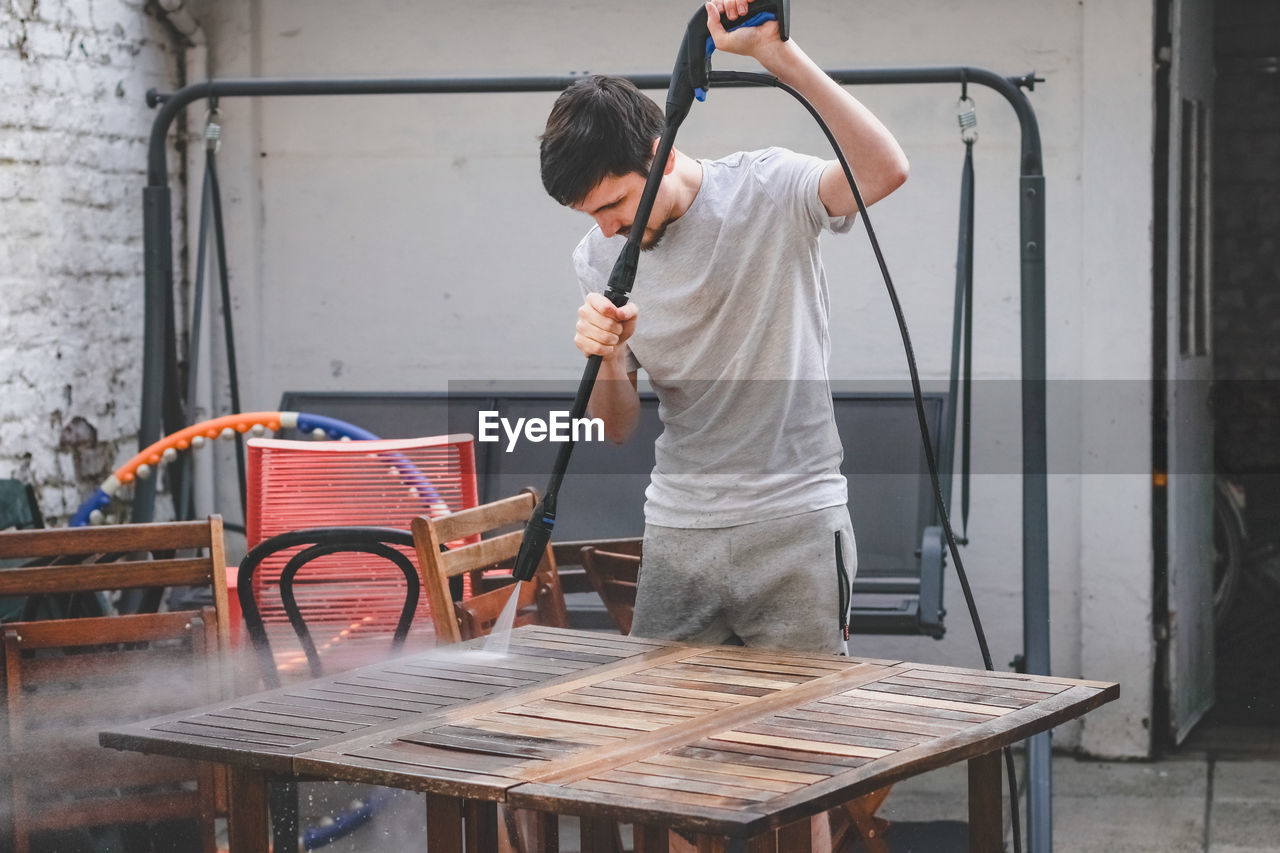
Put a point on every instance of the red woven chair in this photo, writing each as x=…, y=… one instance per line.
x=347, y=598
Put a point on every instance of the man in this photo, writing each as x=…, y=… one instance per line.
x=746, y=508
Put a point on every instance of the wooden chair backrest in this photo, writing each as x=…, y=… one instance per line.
x=443, y=554
x=66, y=679
x=53, y=669
x=613, y=576
x=123, y=556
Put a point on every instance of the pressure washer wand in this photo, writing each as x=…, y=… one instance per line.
x=689, y=80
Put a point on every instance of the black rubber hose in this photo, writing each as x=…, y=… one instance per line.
x=766, y=80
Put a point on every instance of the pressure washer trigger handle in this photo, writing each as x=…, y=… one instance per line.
x=754, y=21
x=693, y=66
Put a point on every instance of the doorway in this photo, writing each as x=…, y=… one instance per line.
x=1246, y=332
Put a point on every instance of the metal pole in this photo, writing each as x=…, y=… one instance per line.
x=1035, y=517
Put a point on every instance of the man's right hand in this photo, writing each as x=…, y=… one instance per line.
x=603, y=327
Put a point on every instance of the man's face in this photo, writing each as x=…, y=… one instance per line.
x=613, y=202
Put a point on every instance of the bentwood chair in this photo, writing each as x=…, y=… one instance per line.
x=311, y=555
x=371, y=548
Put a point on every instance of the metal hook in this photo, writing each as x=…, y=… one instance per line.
x=966, y=111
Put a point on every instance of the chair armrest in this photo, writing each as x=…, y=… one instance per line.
x=570, y=553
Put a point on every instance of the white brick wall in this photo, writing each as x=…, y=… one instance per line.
x=73, y=139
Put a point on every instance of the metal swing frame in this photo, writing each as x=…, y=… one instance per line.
x=160, y=359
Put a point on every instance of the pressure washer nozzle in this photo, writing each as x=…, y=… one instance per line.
x=537, y=533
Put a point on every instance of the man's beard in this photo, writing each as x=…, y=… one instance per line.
x=647, y=242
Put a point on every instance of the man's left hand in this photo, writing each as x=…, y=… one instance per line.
x=744, y=41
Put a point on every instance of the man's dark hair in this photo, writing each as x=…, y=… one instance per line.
x=600, y=127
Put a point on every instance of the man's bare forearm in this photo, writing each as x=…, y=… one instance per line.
x=614, y=399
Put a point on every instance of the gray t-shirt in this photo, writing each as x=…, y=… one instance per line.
x=733, y=335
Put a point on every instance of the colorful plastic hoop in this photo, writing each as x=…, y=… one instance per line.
x=141, y=466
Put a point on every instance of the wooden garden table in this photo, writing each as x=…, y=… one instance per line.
x=732, y=744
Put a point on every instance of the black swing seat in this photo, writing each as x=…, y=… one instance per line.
x=898, y=586
x=901, y=549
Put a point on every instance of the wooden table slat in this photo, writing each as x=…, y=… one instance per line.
x=780, y=667
x=303, y=709
x=868, y=701
x=1002, y=699
x=426, y=755
x=781, y=759
x=231, y=734
x=657, y=687
x=409, y=692
x=278, y=723
x=665, y=700
x=660, y=766
x=722, y=765
x=883, y=720
x=641, y=793
x=451, y=674
x=919, y=668
x=485, y=742
x=512, y=663
x=840, y=733
x=679, y=788
x=550, y=709
x=707, y=686
x=1006, y=686
x=551, y=729
x=801, y=744
x=589, y=699
x=873, y=691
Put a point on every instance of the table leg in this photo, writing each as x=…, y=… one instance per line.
x=797, y=836
x=546, y=831
x=712, y=844
x=444, y=824
x=248, y=825
x=650, y=838
x=765, y=842
x=600, y=834
x=285, y=823
x=986, y=816
x=481, y=820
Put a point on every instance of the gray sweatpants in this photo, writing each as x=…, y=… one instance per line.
x=772, y=584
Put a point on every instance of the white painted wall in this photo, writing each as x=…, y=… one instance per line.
x=399, y=243
x=73, y=132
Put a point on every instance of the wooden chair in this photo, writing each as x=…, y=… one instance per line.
x=444, y=553
x=613, y=576
x=65, y=679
